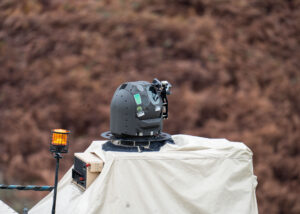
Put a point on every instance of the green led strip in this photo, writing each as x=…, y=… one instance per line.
x=137, y=98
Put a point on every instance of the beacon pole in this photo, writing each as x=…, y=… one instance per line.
x=57, y=157
x=59, y=144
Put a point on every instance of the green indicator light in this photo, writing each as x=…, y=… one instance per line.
x=138, y=99
x=139, y=108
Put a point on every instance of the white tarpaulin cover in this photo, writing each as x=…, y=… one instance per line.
x=194, y=175
x=4, y=208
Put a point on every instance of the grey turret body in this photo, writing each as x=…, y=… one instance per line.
x=136, y=110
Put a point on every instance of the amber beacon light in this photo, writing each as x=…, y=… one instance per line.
x=59, y=141
x=59, y=144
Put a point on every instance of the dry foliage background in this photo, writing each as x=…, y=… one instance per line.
x=234, y=65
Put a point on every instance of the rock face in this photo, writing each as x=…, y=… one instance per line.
x=234, y=66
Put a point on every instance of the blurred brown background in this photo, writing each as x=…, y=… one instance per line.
x=234, y=66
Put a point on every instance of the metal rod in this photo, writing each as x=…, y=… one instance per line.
x=25, y=211
x=28, y=187
x=57, y=157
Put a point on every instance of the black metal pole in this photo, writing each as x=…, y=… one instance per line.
x=57, y=157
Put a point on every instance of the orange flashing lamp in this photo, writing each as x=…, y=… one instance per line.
x=59, y=140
